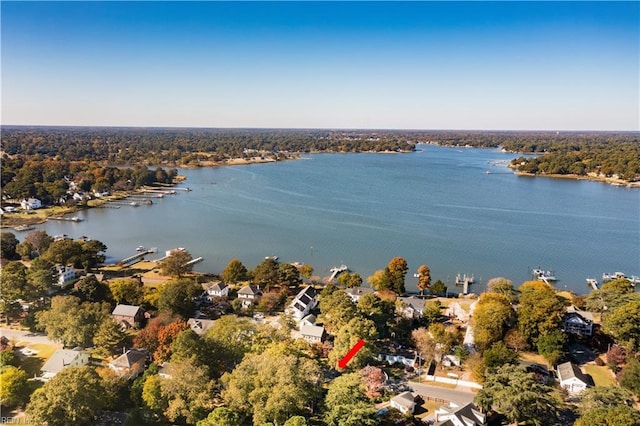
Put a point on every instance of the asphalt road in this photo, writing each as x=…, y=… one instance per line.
x=26, y=336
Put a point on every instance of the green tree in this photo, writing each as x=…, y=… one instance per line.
x=492, y=318
x=14, y=286
x=152, y=397
x=273, y=386
x=189, y=346
x=605, y=396
x=518, y=396
x=177, y=296
x=611, y=295
x=231, y=337
x=235, y=272
x=296, y=421
x=8, y=244
x=267, y=273
x=127, y=291
x=14, y=390
x=498, y=355
x=40, y=278
x=501, y=285
x=9, y=358
x=347, y=336
x=551, y=346
x=349, y=279
x=73, y=323
x=398, y=270
x=630, y=376
x=623, y=323
x=336, y=309
x=381, y=280
x=346, y=389
x=73, y=396
x=89, y=289
x=619, y=415
x=438, y=287
x=92, y=254
x=108, y=337
x=221, y=416
x=177, y=264
x=381, y=312
x=540, y=310
x=288, y=275
x=424, y=278
x=189, y=392
x=64, y=252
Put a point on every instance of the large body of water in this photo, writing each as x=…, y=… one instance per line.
x=437, y=206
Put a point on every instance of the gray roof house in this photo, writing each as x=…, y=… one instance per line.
x=63, y=358
x=356, y=292
x=576, y=321
x=404, y=402
x=130, y=364
x=312, y=333
x=249, y=294
x=216, y=289
x=411, y=307
x=128, y=314
x=572, y=378
x=454, y=414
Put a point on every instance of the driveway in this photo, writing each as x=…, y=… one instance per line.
x=447, y=394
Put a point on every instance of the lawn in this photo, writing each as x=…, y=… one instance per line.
x=601, y=375
x=34, y=363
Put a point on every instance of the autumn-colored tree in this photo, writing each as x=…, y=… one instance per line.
x=492, y=318
x=347, y=336
x=14, y=390
x=373, y=381
x=398, y=269
x=349, y=279
x=424, y=278
x=147, y=338
x=381, y=280
x=166, y=336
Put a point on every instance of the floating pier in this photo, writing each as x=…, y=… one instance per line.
x=67, y=219
x=465, y=281
x=593, y=283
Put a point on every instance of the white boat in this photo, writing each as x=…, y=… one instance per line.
x=610, y=277
x=542, y=275
x=24, y=228
x=140, y=248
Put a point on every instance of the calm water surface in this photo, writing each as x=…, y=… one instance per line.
x=437, y=206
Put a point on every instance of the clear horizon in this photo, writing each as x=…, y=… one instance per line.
x=466, y=66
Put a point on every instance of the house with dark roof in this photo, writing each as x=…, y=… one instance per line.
x=454, y=414
x=128, y=314
x=356, y=293
x=200, y=326
x=130, y=364
x=404, y=402
x=61, y=359
x=576, y=321
x=303, y=303
x=572, y=378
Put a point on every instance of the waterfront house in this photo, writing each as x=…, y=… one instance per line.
x=65, y=275
x=61, y=359
x=215, y=289
x=30, y=204
x=576, y=321
x=130, y=364
x=356, y=292
x=304, y=302
x=572, y=378
x=312, y=333
x=404, y=402
x=455, y=414
x=128, y=315
x=200, y=326
x=249, y=294
x=410, y=307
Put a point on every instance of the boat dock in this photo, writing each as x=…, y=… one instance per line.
x=593, y=283
x=336, y=270
x=465, y=281
x=194, y=261
x=542, y=275
x=67, y=219
x=128, y=261
x=125, y=203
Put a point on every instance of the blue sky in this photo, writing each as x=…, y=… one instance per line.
x=417, y=65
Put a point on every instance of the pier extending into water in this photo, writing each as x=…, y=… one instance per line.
x=465, y=281
x=134, y=258
x=336, y=270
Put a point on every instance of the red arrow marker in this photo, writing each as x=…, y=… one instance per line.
x=354, y=350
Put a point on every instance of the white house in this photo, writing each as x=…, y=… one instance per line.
x=65, y=275
x=406, y=357
x=249, y=294
x=63, y=358
x=572, y=378
x=404, y=402
x=304, y=302
x=454, y=414
x=312, y=333
x=30, y=204
x=411, y=307
x=216, y=289
x=356, y=292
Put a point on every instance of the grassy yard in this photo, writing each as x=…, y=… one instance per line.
x=602, y=376
x=32, y=364
x=427, y=409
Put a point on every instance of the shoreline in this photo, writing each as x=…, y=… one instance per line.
x=603, y=179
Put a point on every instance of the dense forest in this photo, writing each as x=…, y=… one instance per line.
x=36, y=158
